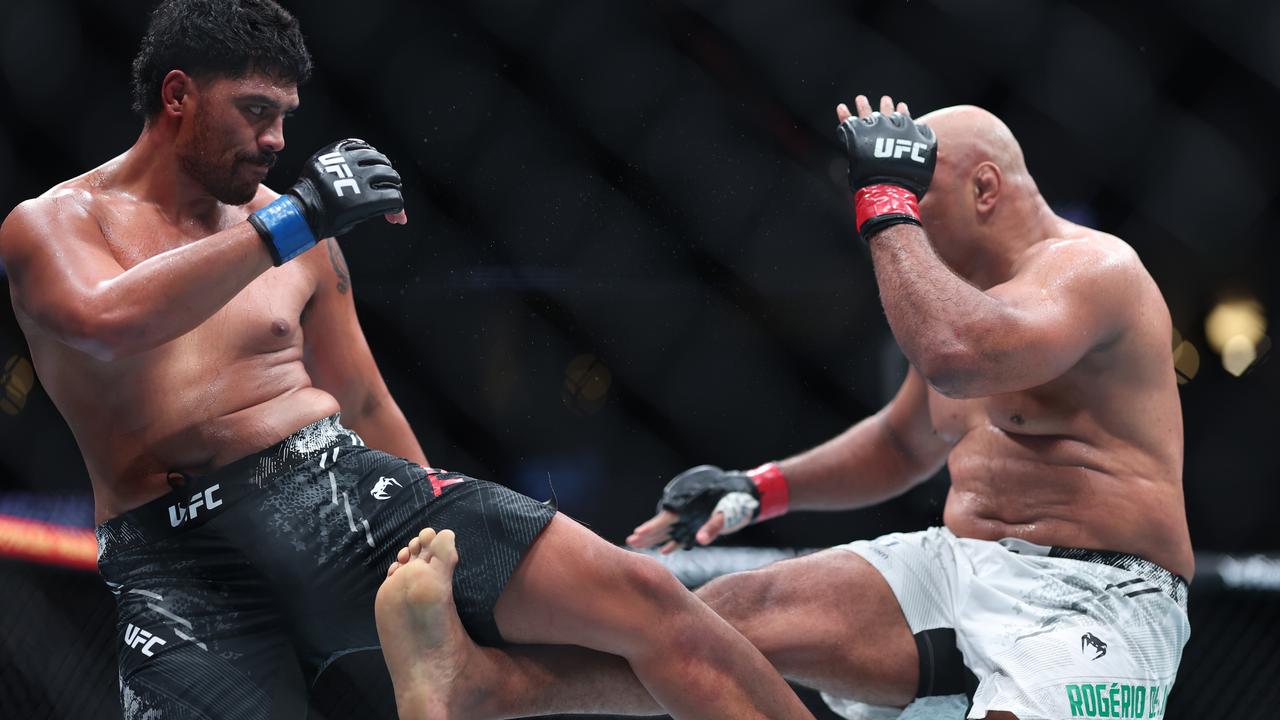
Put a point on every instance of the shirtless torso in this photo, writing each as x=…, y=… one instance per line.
x=1092, y=458
x=1042, y=373
x=174, y=336
x=234, y=384
x=158, y=322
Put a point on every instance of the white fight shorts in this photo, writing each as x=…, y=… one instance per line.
x=1042, y=632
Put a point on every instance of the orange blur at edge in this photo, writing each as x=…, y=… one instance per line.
x=48, y=544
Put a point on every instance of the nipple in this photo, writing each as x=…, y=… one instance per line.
x=1016, y=419
x=279, y=327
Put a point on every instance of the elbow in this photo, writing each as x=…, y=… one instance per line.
x=103, y=334
x=95, y=339
x=951, y=370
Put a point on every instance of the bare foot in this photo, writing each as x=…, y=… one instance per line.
x=423, y=642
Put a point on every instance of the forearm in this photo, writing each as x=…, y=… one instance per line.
x=379, y=421
x=863, y=466
x=170, y=294
x=935, y=315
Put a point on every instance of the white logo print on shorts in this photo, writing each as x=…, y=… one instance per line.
x=181, y=513
x=135, y=637
x=379, y=491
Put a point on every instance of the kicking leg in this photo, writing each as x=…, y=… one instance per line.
x=828, y=621
x=574, y=588
x=439, y=672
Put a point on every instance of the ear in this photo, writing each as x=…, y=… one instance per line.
x=174, y=91
x=987, y=183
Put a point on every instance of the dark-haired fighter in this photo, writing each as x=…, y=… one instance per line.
x=1041, y=375
x=197, y=333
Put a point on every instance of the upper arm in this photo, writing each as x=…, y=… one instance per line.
x=336, y=354
x=909, y=428
x=58, y=260
x=1069, y=299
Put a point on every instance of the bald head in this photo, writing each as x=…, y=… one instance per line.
x=982, y=200
x=969, y=136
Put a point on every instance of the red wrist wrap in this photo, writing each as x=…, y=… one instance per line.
x=774, y=492
x=875, y=200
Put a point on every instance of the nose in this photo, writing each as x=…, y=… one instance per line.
x=272, y=139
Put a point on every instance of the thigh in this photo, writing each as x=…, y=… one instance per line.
x=193, y=665
x=365, y=507
x=828, y=620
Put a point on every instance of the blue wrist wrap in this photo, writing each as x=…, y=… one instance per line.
x=284, y=229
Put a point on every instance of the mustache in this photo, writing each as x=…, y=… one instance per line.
x=265, y=158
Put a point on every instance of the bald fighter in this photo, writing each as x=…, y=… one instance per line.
x=1041, y=375
x=197, y=332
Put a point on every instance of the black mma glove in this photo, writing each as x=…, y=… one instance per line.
x=743, y=497
x=343, y=184
x=891, y=161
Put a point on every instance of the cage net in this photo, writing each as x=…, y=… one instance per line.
x=630, y=251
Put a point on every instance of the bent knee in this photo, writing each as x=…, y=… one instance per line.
x=649, y=582
x=742, y=596
x=650, y=607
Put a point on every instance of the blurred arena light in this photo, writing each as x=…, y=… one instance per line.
x=1186, y=359
x=48, y=543
x=1236, y=329
x=16, y=381
x=586, y=384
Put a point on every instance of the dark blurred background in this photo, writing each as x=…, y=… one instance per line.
x=630, y=251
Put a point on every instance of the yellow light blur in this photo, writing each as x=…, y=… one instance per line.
x=1238, y=355
x=16, y=380
x=1186, y=361
x=1237, y=317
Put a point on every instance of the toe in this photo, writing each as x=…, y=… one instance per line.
x=444, y=546
x=426, y=536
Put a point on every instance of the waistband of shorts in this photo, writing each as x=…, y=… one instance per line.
x=172, y=514
x=1158, y=579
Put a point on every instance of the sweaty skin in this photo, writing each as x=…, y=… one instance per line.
x=169, y=342
x=1041, y=375
x=1041, y=370
x=155, y=318
x=1052, y=390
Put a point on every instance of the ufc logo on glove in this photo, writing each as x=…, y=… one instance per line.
x=334, y=163
x=888, y=147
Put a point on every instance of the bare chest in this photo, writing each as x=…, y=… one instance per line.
x=263, y=318
x=136, y=232
x=1051, y=409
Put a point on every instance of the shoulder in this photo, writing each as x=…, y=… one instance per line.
x=64, y=212
x=1087, y=260
x=1101, y=280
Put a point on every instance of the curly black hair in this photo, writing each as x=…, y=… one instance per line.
x=205, y=38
